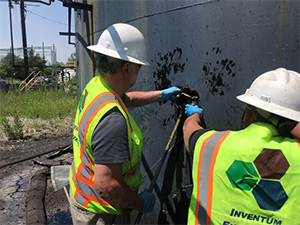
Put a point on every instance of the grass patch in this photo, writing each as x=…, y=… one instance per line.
x=36, y=110
x=44, y=104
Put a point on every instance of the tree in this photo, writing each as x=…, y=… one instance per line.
x=35, y=63
x=6, y=69
x=72, y=57
x=60, y=66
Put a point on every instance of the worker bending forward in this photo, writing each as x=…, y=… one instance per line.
x=107, y=143
x=250, y=176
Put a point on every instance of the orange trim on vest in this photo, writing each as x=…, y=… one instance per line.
x=86, y=202
x=210, y=177
x=81, y=166
x=198, y=177
x=123, y=107
x=88, y=181
x=129, y=171
x=74, y=182
x=84, y=141
x=85, y=195
x=298, y=141
x=128, y=174
x=92, y=198
x=81, y=178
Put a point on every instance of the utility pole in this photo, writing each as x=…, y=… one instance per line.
x=43, y=58
x=12, y=57
x=22, y=9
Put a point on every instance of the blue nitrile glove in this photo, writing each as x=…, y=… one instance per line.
x=149, y=201
x=190, y=109
x=170, y=93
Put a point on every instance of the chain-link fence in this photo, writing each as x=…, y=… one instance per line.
x=46, y=54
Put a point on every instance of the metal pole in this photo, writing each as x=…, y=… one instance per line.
x=31, y=56
x=54, y=63
x=22, y=9
x=12, y=56
x=43, y=58
x=11, y=33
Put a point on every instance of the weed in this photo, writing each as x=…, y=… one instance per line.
x=39, y=109
x=18, y=127
x=7, y=128
x=13, y=131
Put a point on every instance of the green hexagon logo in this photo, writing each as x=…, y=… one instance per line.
x=242, y=175
x=270, y=164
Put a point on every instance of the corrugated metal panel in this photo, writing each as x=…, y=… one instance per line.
x=216, y=47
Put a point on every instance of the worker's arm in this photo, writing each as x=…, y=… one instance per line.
x=110, y=149
x=192, y=123
x=110, y=187
x=296, y=131
x=141, y=98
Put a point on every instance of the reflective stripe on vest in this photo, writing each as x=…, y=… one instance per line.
x=97, y=100
x=246, y=176
x=205, y=169
x=81, y=189
x=85, y=171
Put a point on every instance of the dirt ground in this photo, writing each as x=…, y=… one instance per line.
x=15, y=179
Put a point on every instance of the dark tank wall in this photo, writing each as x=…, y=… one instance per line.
x=216, y=48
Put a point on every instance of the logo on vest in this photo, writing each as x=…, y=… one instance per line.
x=82, y=101
x=262, y=178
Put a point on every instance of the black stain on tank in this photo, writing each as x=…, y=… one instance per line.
x=167, y=64
x=165, y=123
x=216, y=72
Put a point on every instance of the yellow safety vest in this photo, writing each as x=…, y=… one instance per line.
x=251, y=176
x=96, y=100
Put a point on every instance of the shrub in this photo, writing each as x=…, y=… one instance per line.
x=13, y=131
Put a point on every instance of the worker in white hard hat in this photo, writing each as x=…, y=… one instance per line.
x=249, y=176
x=105, y=174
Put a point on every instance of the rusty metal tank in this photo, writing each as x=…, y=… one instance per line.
x=215, y=47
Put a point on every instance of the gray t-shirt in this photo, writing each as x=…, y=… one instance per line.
x=110, y=139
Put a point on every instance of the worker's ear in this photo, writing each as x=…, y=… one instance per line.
x=249, y=117
x=126, y=69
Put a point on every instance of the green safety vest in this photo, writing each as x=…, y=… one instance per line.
x=96, y=100
x=251, y=176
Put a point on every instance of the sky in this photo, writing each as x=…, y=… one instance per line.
x=43, y=24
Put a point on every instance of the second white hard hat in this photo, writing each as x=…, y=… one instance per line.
x=276, y=91
x=122, y=41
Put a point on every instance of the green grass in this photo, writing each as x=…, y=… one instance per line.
x=43, y=104
x=40, y=111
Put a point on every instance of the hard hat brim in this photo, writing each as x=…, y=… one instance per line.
x=115, y=54
x=270, y=107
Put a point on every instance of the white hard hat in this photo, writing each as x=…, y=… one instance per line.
x=277, y=92
x=122, y=41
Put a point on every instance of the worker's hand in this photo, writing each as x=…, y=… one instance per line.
x=149, y=201
x=170, y=93
x=191, y=109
